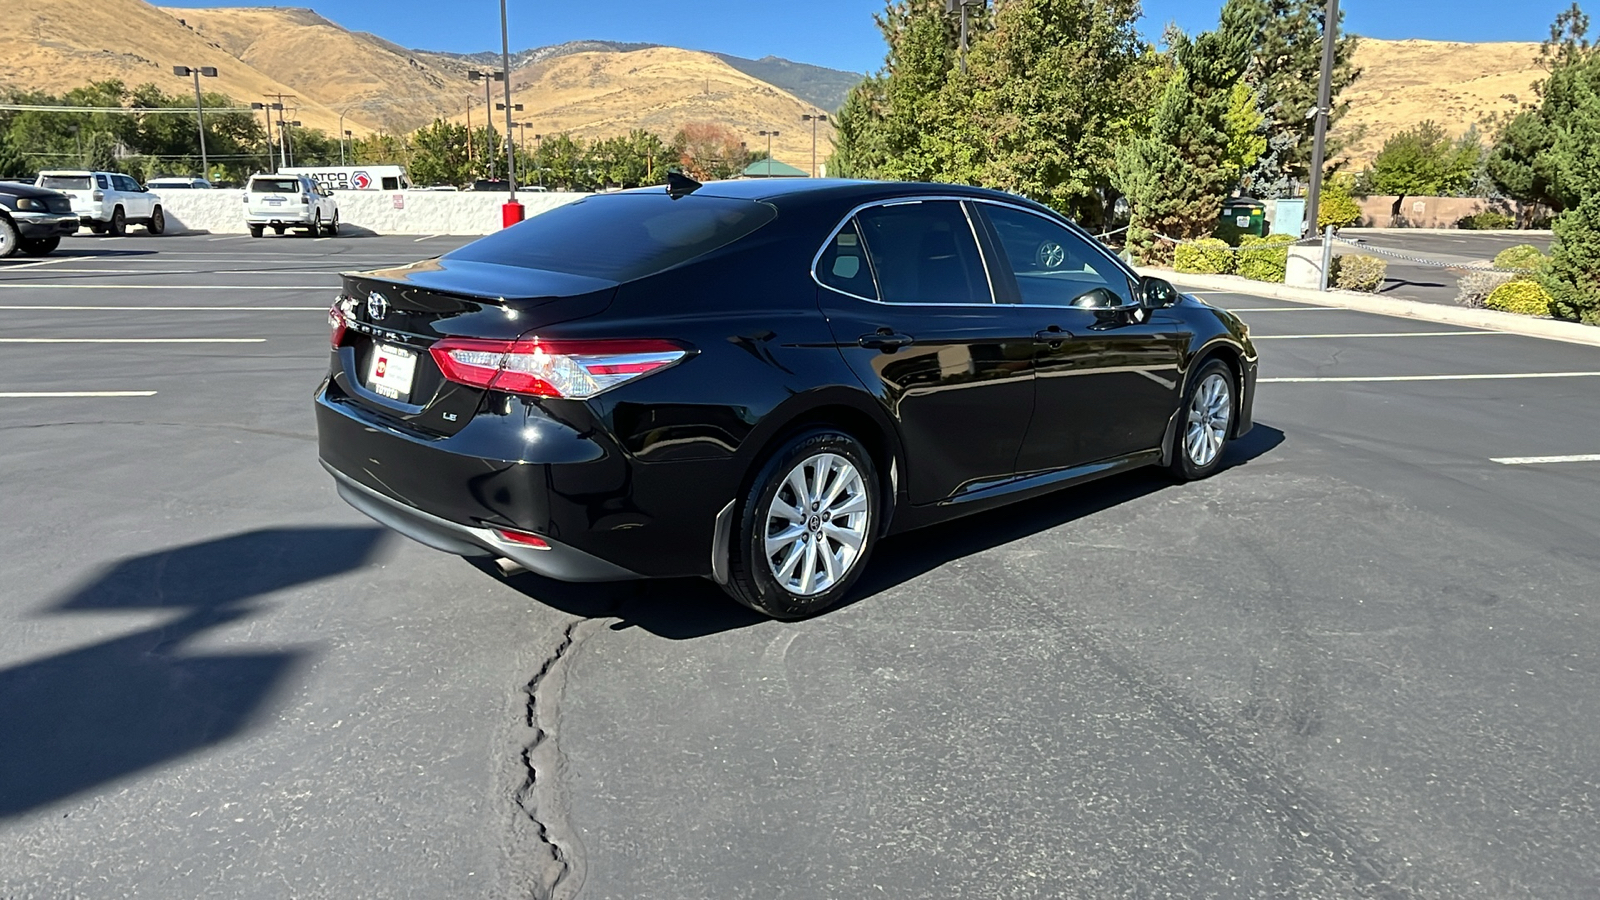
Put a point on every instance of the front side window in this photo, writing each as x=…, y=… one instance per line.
x=924, y=252
x=843, y=264
x=124, y=183
x=1054, y=266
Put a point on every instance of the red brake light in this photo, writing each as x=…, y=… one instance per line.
x=336, y=323
x=573, y=370
x=522, y=537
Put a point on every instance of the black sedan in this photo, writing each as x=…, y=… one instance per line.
x=755, y=381
x=33, y=220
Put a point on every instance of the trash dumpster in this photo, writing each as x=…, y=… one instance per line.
x=1242, y=216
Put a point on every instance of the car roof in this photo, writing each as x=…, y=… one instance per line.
x=845, y=190
x=72, y=172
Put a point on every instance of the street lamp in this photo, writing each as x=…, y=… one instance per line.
x=813, y=119
x=345, y=137
x=769, y=135
x=963, y=8
x=1319, y=147
x=488, y=106
x=288, y=138
x=267, y=109
x=199, y=115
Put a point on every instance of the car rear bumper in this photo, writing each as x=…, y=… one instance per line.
x=36, y=226
x=297, y=219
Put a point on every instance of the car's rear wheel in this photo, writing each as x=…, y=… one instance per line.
x=9, y=240
x=40, y=246
x=157, y=223
x=256, y=230
x=316, y=225
x=97, y=227
x=333, y=227
x=806, y=527
x=1206, y=423
x=118, y=226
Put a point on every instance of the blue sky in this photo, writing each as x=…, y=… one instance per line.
x=836, y=33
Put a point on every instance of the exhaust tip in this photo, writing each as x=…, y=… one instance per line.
x=509, y=567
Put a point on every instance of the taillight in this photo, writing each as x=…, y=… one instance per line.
x=336, y=322
x=526, y=539
x=97, y=195
x=574, y=370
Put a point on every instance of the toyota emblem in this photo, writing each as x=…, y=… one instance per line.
x=377, y=306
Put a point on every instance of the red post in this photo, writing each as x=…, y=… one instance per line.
x=511, y=213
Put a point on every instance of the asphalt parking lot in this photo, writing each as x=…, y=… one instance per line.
x=1360, y=662
x=1411, y=279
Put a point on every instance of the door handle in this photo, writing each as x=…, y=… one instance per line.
x=1053, y=336
x=884, y=339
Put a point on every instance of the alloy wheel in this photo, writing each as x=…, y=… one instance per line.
x=816, y=524
x=1210, y=415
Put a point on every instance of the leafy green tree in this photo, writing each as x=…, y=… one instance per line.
x=1246, y=128
x=1177, y=173
x=1545, y=154
x=380, y=149
x=1286, y=70
x=1519, y=163
x=12, y=163
x=1573, y=276
x=439, y=155
x=1423, y=161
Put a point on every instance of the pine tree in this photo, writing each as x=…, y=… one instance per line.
x=1573, y=275
x=1286, y=70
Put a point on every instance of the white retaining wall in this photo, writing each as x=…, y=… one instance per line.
x=381, y=212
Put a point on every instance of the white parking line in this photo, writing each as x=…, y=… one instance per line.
x=170, y=308
x=167, y=287
x=19, y=395
x=133, y=340
x=229, y=237
x=428, y=237
x=1378, y=334
x=1544, y=460
x=1266, y=309
x=35, y=265
x=1507, y=377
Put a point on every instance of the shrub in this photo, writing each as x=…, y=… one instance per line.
x=1337, y=207
x=1264, y=259
x=1521, y=258
x=1486, y=220
x=1527, y=298
x=1357, y=272
x=1573, y=274
x=1475, y=287
x=1207, y=256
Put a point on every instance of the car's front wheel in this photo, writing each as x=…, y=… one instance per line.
x=1206, y=423
x=10, y=241
x=806, y=527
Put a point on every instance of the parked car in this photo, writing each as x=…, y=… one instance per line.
x=107, y=202
x=755, y=381
x=281, y=202
x=33, y=220
x=183, y=183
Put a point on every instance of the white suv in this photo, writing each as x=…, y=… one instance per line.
x=107, y=202
x=281, y=202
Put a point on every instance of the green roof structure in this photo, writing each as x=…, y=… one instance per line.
x=771, y=168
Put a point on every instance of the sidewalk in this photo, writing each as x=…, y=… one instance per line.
x=1487, y=319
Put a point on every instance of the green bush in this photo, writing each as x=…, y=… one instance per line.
x=1573, y=274
x=1337, y=207
x=1475, y=287
x=1207, y=256
x=1357, y=272
x=1265, y=258
x=1521, y=258
x=1527, y=298
x=1486, y=220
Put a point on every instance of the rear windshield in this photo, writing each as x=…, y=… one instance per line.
x=66, y=182
x=275, y=186
x=620, y=237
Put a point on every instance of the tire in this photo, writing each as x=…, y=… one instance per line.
x=41, y=246
x=157, y=223
x=97, y=227
x=277, y=229
x=118, y=226
x=10, y=241
x=316, y=225
x=1206, y=423
x=793, y=587
x=333, y=229
x=256, y=230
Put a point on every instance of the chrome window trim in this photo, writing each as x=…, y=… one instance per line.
x=994, y=301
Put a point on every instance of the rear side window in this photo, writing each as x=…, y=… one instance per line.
x=274, y=186
x=102, y=182
x=843, y=264
x=924, y=253
x=65, y=182
x=620, y=237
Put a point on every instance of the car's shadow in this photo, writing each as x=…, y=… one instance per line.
x=687, y=608
x=96, y=713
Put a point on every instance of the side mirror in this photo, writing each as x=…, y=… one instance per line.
x=1157, y=293
x=1100, y=299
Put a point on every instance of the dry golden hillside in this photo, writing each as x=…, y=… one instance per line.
x=1403, y=83
x=661, y=89
x=378, y=83
x=57, y=45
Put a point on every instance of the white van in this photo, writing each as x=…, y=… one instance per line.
x=354, y=178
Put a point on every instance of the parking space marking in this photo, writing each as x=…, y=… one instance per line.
x=229, y=237
x=1347, y=379
x=165, y=287
x=427, y=237
x=1546, y=460
x=35, y=265
x=23, y=395
x=1377, y=334
x=169, y=308
x=133, y=340
x=1266, y=309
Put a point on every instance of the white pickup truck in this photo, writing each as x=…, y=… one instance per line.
x=107, y=202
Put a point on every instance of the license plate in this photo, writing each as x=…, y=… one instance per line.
x=390, y=371
x=274, y=201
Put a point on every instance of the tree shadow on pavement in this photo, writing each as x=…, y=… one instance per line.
x=687, y=608
x=83, y=718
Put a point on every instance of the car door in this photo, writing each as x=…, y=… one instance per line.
x=1107, y=369
x=136, y=204
x=907, y=296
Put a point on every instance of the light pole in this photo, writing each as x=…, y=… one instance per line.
x=769, y=135
x=813, y=119
x=488, y=108
x=288, y=138
x=342, y=138
x=513, y=209
x=1319, y=146
x=199, y=114
x=963, y=7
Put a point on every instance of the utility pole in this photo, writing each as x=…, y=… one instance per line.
x=1319, y=147
x=199, y=109
x=267, y=109
x=511, y=154
x=962, y=8
x=819, y=117
x=769, y=135
x=277, y=104
x=488, y=108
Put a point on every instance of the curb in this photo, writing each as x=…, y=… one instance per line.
x=1488, y=319
x=1498, y=232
